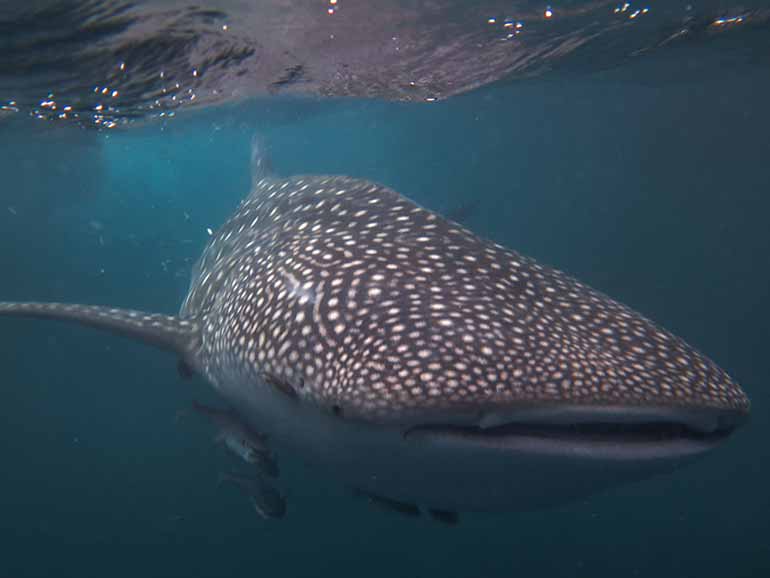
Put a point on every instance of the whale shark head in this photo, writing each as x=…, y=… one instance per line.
x=374, y=335
x=356, y=299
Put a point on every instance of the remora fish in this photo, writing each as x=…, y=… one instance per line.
x=412, y=359
x=267, y=501
x=247, y=444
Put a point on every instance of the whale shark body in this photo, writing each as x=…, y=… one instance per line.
x=411, y=359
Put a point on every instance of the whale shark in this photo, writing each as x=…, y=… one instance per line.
x=406, y=357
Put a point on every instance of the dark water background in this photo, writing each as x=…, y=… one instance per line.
x=651, y=183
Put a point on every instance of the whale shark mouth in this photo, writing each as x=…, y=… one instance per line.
x=600, y=432
x=594, y=432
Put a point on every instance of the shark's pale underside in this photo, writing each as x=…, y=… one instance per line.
x=413, y=360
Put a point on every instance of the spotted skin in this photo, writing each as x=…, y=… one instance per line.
x=348, y=295
x=361, y=301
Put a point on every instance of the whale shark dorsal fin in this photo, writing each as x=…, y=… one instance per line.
x=261, y=167
x=163, y=331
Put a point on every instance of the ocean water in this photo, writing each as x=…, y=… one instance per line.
x=649, y=181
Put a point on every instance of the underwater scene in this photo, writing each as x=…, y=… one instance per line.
x=384, y=288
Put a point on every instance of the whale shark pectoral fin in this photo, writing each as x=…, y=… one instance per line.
x=164, y=331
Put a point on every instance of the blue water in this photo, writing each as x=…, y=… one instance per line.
x=646, y=185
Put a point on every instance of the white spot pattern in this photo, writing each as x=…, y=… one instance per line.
x=355, y=298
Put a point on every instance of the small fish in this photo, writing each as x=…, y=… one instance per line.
x=267, y=501
x=446, y=517
x=240, y=439
x=244, y=449
x=388, y=504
